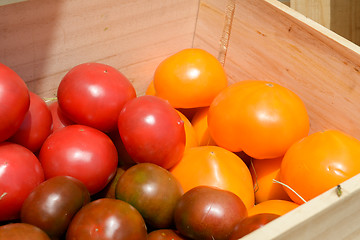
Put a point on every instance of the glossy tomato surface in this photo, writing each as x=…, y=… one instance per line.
x=189, y=78
x=217, y=167
x=36, y=126
x=208, y=213
x=152, y=190
x=58, y=118
x=93, y=94
x=251, y=223
x=22, y=231
x=20, y=173
x=53, y=203
x=107, y=219
x=82, y=152
x=261, y=118
x=327, y=158
x=14, y=102
x=152, y=131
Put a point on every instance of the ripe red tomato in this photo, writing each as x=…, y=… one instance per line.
x=14, y=102
x=20, y=173
x=152, y=131
x=93, y=94
x=164, y=234
x=58, y=118
x=82, y=152
x=36, y=126
x=107, y=219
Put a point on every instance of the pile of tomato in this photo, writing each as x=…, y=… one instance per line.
x=196, y=157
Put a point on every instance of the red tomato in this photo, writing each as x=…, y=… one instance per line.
x=20, y=173
x=14, y=102
x=59, y=120
x=36, y=126
x=81, y=152
x=93, y=94
x=22, y=231
x=152, y=131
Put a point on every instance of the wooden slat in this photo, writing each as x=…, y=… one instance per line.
x=318, y=10
x=41, y=40
x=288, y=48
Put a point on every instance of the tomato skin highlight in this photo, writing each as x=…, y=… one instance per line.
x=14, y=102
x=20, y=172
x=152, y=131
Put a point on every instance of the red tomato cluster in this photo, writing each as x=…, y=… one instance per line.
x=193, y=158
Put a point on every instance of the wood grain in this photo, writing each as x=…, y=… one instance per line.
x=41, y=40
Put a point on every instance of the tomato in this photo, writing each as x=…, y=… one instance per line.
x=14, y=102
x=279, y=207
x=82, y=152
x=261, y=118
x=53, y=203
x=152, y=190
x=109, y=190
x=190, y=135
x=327, y=158
x=107, y=219
x=59, y=120
x=164, y=234
x=215, y=166
x=93, y=94
x=152, y=131
x=200, y=125
x=264, y=172
x=22, y=231
x=206, y=212
x=190, y=78
x=20, y=173
x=36, y=126
x=251, y=224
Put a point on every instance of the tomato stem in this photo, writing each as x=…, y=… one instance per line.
x=3, y=195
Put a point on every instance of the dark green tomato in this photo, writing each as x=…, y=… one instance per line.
x=152, y=190
x=22, y=231
x=251, y=223
x=164, y=234
x=208, y=213
x=107, y=219
x=109, y=190
x=53, y=203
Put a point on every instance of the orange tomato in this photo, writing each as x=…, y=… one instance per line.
x=200, y=125
x=261, y=118
x=190, y=78
x=279, y=207
x=150, y=90
x=319, y=162
x=215, y=166
x=191, y=140
x=263, y=172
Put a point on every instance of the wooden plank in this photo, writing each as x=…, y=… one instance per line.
x=41, y=40
x=318, y=10
x=288, y=48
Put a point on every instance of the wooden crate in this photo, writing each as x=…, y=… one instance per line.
x=259, y=39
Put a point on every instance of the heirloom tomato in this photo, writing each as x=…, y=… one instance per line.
x=22, y=231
